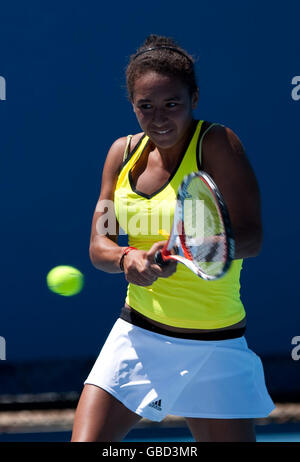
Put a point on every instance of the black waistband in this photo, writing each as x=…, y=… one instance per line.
x=133, y=317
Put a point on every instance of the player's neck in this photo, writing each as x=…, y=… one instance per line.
x=171, y=156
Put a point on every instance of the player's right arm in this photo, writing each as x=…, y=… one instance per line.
x=105, y=253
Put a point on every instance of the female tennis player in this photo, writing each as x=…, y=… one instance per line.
x=178, y=346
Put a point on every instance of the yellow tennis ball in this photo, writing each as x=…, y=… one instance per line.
x=65, y=280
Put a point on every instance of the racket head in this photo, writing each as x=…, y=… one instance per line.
x=201, y=237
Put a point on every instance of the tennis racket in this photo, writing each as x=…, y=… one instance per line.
x=201, y=236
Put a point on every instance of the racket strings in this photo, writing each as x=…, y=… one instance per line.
x=204, y=232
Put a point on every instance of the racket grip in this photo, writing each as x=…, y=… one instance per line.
x=159, y=259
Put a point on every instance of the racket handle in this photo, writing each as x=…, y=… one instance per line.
x=159, y=259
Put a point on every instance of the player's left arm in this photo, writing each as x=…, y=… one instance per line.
x=224, y=158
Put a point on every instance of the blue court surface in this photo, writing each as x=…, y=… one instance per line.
x=266, y=433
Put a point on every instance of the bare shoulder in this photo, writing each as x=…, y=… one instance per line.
x=225, y=159
x=223, y=152
x=112, y=165
x=222, y=140
x=114, y=158
x=116, y=151
x=115, y=154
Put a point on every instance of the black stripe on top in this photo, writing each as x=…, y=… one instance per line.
x=204, y=126
x=149, y=196
x=132, y=152
x=135, y=318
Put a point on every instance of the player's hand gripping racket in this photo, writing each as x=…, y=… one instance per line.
x=201, y=236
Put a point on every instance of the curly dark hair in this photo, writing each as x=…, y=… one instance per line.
x=163, y=55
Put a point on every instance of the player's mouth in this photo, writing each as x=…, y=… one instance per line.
x=162, y=132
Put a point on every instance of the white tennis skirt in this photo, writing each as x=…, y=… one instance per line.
x=155, y=375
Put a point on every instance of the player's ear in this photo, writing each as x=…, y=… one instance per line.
x=132, y=103
x=195, y=99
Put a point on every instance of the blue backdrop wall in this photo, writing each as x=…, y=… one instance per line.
x=65, y=103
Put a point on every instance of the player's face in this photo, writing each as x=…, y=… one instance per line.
x=163, y=107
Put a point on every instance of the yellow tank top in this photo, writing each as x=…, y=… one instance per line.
x=182, y=300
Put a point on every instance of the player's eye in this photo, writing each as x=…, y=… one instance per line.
x=145, y=106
